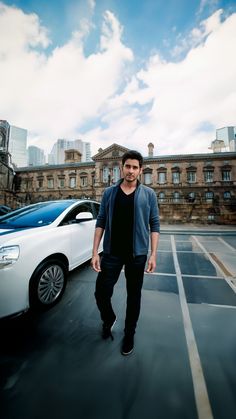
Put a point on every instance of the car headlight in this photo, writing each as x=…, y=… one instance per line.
x=8, y=255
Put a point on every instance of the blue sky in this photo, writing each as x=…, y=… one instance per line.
x=148, y=24
x=119, y=71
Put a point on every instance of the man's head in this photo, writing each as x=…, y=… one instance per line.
x=133, y=155
x=132, y=162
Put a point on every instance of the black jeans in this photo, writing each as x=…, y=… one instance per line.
x=110, y=270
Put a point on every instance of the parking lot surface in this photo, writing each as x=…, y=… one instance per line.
x=55, y=364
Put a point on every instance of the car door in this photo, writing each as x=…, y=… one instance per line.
x=80, y=234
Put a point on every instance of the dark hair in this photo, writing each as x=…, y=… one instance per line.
x=134, y=155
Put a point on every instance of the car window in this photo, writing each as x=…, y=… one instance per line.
x=70, y=218
x=36, y=215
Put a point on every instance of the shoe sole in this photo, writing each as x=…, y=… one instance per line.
x=127, y=353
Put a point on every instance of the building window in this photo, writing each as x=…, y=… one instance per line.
x=191, y=197
x=50, y=183
x=176, y=197
x=227, y=195
x=191, y=177
x=162, y=177
x=72, y=182
x=226, y=175
x=175, y=177
x=105, y=174
x=84, y=180
x=147, y=178
x=161, y=197
x=209, y=196
x=61, y=183
x=40, y=183
x=208, y=176
x=116, y=174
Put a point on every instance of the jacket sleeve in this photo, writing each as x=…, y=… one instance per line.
x=102, y=214
x=154, y=220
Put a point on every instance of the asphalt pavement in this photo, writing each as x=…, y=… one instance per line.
x=55, y=364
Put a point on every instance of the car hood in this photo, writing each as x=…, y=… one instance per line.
x=9, y=234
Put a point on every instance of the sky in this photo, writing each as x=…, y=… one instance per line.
x=129, y=72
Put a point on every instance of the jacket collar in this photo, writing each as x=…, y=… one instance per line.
x=121, y=180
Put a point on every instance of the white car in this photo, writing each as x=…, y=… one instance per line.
x=39, y=244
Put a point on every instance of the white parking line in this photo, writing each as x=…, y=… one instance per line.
x=178, y=251
x=187, y=275
x=202, y=276
x=228, y=278
x=161, y=274
x=199, y=384
x=226, y=244
x=219, y=305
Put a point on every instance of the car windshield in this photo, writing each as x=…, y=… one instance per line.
x=36, y=215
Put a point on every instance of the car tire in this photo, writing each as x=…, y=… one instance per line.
x=47, y=284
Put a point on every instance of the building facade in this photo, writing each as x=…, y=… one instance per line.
x=4, y=141
x=190, y=188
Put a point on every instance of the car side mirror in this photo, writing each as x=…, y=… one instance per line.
x=84, y=216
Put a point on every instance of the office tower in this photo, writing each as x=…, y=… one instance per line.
x=57, y=155
x=17, y=146
x=36, y=156
x=228, y=135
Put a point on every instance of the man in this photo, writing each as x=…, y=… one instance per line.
x=129, y=216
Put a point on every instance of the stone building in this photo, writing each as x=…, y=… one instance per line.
x=190, y=188
x=7, y=187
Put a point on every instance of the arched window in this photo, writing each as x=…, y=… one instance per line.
x=176, y=197
x=162, y=177
x=72, y=181
x=209, y=195
x=147, y=178
x=161, y=197
x=227, y=195
x=105, y=174
x=116, y=174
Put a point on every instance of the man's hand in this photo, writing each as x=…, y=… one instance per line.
x=151, y=264
x=95, y=263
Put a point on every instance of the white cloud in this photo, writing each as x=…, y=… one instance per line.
x=188, y=99
x=52, y=96
x=175, y=105
x=20, y=32
x=197, y=35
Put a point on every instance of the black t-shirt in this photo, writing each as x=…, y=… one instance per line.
x=122, y=224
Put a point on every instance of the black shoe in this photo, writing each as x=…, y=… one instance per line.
x=127, y=345
x=106, y=330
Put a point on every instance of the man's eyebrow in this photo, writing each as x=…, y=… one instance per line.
x=131, y=165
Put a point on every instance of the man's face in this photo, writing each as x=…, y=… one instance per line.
x=131, y=170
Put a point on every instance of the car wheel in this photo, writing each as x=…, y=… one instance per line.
x=47, y=284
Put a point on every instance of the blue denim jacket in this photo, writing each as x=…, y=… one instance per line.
x=146, y=216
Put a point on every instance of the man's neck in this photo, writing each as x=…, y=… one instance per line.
x=129, y=185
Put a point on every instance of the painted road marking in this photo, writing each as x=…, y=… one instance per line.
x=226, y=244
x=187, y=275
x=219, y=305
x=199, y=384
x=228, y=276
